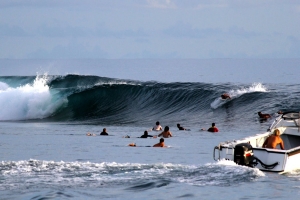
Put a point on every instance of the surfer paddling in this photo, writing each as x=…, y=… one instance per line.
x=263, y=116
x=160, y=144
x=225, y=96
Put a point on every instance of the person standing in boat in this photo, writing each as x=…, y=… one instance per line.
x=273, y=140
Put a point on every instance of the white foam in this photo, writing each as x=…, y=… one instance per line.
x=30, y=101
x=255, y=87
x=3, y=86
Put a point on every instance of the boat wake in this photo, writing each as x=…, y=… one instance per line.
x=37, y=173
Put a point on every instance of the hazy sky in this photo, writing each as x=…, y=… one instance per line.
x=117, y=29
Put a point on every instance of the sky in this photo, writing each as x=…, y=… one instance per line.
x=149, y=29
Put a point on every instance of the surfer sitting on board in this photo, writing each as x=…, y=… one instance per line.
x=166, y=133
x=157, y=127
x=225, y=96
x=213, y=128
x=104, y=132
x=161, y=143
x=263, y=116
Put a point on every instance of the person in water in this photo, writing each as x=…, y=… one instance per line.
x=273, y=140
x=225, y=96
x=157, y=127
x=180, y=127
x=161, y=143
x=213, y=128
x=263, y=116
x=166, y=133
x=104, y=132
x=146, y=135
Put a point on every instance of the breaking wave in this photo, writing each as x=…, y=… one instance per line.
x=97, y=99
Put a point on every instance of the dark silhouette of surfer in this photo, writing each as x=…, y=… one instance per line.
x=263, y=116
x=225, y=96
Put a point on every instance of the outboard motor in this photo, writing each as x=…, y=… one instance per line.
x=243, y=154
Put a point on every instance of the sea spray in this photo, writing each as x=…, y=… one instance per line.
x=29, y=101
x=255, y=87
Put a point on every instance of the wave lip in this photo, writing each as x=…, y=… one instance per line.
x=255, y=87
x=30, y=101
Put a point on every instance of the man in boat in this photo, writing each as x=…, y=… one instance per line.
x=273, y=140
x=166, y=133
x=263, y=116
x=225, y=96
x=161, y=143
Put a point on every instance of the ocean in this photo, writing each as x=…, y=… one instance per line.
x=48, y=107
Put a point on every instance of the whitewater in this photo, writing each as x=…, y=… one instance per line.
x=44, y=119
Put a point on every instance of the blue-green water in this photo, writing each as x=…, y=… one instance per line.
x=45, y=153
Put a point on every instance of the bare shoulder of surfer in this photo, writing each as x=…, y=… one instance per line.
x=161, y=143
x=166, y=133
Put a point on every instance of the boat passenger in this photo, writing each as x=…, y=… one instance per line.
x=104, y=132
x=166, y=133
x=161, y=143
x=263, y=116
x=273, y=140
x=157, y=127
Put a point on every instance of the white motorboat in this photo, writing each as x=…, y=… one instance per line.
x=249, y=151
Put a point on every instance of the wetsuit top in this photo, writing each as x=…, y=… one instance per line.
x=103, y=133
x=213, y=129
x=145, y=136
x=181, y=128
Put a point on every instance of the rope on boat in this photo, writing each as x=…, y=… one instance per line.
x=256, y=160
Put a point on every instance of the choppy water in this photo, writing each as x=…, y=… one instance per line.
x=45, y=154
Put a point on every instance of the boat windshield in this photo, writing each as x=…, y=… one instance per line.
x=291, y=116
